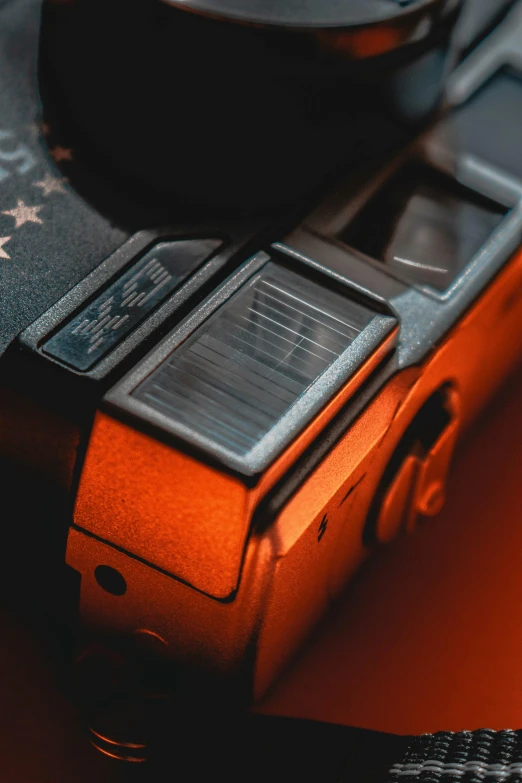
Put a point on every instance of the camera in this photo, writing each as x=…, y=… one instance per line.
x=261, y=269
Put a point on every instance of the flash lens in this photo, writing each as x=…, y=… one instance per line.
x=235, y=378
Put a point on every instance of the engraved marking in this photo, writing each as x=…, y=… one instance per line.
x=95, y=345
x=81, y=327
x=156, y=289
x=120, y=322
x=138, y=299
x=352, y=489
x=60, y=153
x=24, y=214
x=51, y=185
x=152, y=262
x=101, y=324
x=130, y=297
x=107, y=304
x=322, y=527
x=96, y=329
x=3, y=241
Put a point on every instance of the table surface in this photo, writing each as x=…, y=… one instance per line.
x=428, y=636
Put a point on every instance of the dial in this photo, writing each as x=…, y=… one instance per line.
x=308, y=13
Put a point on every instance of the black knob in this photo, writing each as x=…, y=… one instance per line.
x=312, y=15
x=240, y=104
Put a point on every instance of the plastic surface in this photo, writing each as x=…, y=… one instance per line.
x=474, y=126
x=425, y=226
x=245, y=368
x=132, y=297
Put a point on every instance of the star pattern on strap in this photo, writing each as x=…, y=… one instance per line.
x=50, y=184
x=3, y=241
x=23, y=214
x=60, y=153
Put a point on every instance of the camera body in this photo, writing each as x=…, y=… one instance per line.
x=236, y=406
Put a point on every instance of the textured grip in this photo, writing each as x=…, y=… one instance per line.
x=464, y=757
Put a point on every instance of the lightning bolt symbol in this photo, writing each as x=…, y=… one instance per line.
x=322, y=527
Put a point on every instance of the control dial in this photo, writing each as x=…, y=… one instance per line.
x=335, y=14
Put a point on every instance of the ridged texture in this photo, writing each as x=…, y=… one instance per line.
x=466, y=757
x=243, y=369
